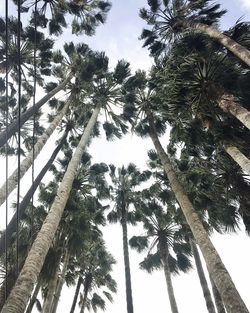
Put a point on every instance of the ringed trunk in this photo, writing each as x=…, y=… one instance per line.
x=129, y=297
x=217, y=298
x=164, y=260
x=229, y=104
x=27, y=162
x=238, y=157
x=216, y=268
x=202, y=278
x=238, y=50
x=19, y=296
x=13, y=127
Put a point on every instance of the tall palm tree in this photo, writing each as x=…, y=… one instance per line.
x=27, y=162
x=170, y=18
x=19, y=296
x=196, y=86
x=77, y=61
x=124, y=182
x=143, y=99
x=160, y=234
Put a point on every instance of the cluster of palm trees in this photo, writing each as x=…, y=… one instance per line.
x=196, y=89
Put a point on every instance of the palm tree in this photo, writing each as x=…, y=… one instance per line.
x=96, y=275
x=84, y=16
x=143, y=99
x=195, y=83
x=27, y=162
x=40, y=247
x=124, y=181
x=12, y=225
x=29, y=38
x=170, y=18
x=160, y=233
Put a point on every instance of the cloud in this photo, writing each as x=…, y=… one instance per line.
x=245, y=3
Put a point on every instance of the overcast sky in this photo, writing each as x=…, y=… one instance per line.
x=119, y=39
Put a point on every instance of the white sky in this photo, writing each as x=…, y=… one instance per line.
x=119, y=38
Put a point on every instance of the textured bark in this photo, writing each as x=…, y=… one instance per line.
x=238, y=50
x=217, y=298
x=52, y=286
x=78, y=286
x=164, y=260
x=34, y=297
x=12, y=226
x=129, y=296
x=19, y=296
x=60, y=282
x=216, y=268
x=238, y=157
x=202, y=278
x=229, y=104
x=14, y=126
x=27, y=162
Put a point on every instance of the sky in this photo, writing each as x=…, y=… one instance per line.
x=119, y=39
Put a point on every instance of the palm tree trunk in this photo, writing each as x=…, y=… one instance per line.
x=83, y=304
x=228, y=104
x=14, y=126
x=52, y=286
x=78, y=286
x=60, y=283
x=11, y=228
x=171, y=296
x=217, y=298
x=238, y=157
x=34, y=297
x=202, y=278
x=217, y=269
x=88, y=281
x=129, y=297
x=240, y=51
x=27, y=162
x=19, y=296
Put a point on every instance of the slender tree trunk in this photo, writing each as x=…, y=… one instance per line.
x=34, y=297
x=83, y=304
x=13, y=127
x=11, y=228
x=19, y=296
x=88, y=281
x=4, y=292
x=27, y=162
x=218, y=271
x=238, y=157
x=129, y=296
x=60, y=283
x=229, y=104
x=78, y=286
x=52, y=286
x=202, y=278
x=164, y=260
x=240, y=51
x=218, y=301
